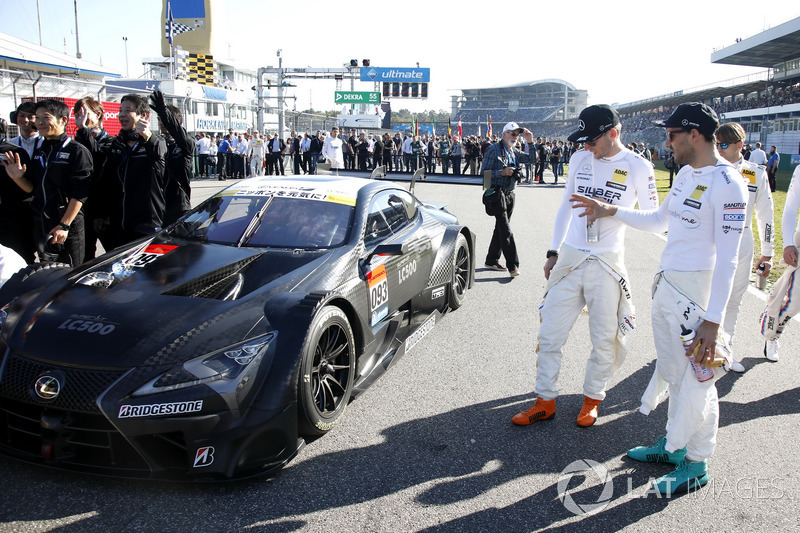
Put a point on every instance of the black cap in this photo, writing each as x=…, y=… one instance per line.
x=594, y=121
x=692, y=116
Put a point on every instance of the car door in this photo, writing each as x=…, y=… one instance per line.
x=392, y=277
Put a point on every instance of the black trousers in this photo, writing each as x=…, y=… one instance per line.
x=222, y=164
x=540, y=164
x=503, y=238
x=73, y=250
x=771, y=177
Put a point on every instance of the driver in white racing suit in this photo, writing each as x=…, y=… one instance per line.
x=730, y=138
x=703, y=215
x=584, y=270
x=256, y=149
x=781, y=306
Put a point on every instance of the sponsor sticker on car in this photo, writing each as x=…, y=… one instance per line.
x=160, y=409
x=421, y=331
x=149, y=254
x=378, y=285
x=203, y=457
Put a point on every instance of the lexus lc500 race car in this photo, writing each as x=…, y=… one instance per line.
x=213, y=349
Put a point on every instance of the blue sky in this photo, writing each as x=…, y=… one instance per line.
x=634, y=52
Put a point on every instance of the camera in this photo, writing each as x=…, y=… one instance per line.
x=516, y=175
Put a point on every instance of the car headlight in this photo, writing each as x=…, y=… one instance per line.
x=226, y=364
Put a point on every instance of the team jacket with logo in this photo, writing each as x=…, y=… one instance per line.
x=60, y=170
x=705, y=214
x=623, y=179
x=133, y=183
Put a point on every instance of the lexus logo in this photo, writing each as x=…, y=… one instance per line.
x=47, y=387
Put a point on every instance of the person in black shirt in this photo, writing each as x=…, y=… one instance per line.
x=180, y=159
x=132, y=197
x=59, y=176
x=88, y=114
x=16, y=217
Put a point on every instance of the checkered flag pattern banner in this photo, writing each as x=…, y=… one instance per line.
x=201, y=68
x=177, y=29
x=182, y=63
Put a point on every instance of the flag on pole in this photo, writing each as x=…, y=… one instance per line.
x=172, y=28
x=489, y=127
x=479, y=127
x=459, y=128
x=449, y=127
x=413, y=125
x=434, y=126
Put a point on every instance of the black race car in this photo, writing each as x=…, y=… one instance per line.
x=213, y=349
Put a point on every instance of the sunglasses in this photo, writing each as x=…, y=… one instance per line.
x=724, y=146
x=514, y=134
x=593, y=142
x=671, y=134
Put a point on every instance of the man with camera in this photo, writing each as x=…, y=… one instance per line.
x=504, y=161
x=585, y=265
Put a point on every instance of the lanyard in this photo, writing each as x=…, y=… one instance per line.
x=45, y=162
x=510, y=154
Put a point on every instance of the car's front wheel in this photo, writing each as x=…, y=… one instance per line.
x=327, y=371
x=461, y=273
x=29, y=278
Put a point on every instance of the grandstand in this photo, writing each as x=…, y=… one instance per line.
x=767, y=104
x=526, y=103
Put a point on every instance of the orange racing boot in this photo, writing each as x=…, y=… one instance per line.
x=541, y=410
x=588, y=414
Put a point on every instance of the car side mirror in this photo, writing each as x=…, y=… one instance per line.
x=387, y=249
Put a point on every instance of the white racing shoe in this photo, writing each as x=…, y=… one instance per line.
x=771, y=349
x=733, y=365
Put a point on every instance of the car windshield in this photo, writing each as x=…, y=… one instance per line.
x=267, y=221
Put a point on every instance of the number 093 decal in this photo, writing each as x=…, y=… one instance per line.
x=378, y=285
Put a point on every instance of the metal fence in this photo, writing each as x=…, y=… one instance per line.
x=16, y=85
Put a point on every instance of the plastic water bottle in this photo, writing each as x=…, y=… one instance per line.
x=761, y=280
x=591, y=230
x=703, y=373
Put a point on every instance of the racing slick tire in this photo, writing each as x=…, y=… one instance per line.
x=461, y=267
x=29, y=278
x=327, y=372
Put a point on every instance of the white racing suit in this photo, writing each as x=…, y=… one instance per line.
x=591, y=273
x=704, y=213
x=783, y=302
x=256, y=149
x=599, y=282
x=760, y=199
x=679, y=299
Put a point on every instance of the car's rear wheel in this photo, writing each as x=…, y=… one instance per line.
x=29, y=278
x=461, y=273
x=327, y=371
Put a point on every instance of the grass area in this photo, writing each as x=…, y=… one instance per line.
x=779, y=200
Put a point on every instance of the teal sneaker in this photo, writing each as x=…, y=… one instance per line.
x=657, y=453
x=687, y=477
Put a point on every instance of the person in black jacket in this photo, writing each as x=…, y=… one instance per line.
x=16, y=217
x=315, y=150
x=180, y=158
x=59, y=176
x=88, y=114
x=132, y=181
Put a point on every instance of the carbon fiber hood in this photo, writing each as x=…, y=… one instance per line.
x=180, y=300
